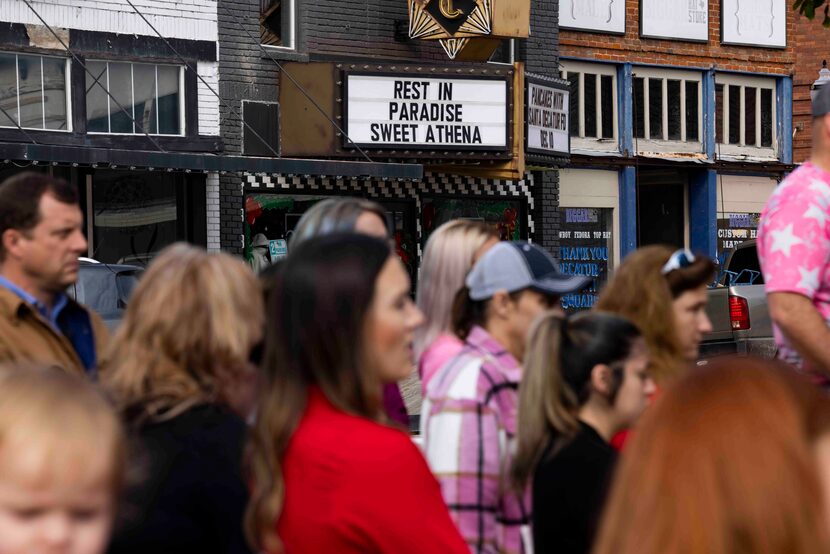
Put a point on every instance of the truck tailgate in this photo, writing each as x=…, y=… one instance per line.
x=717, y=308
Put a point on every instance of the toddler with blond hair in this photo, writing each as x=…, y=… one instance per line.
x=61, y=463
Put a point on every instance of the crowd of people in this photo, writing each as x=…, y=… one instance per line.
x=235, y=413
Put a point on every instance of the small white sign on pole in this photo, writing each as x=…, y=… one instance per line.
x=754, y=22
x=675, y=19
x=426, y=112
x=547, y=119
x=605, y=16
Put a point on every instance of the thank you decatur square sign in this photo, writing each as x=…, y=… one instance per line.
x=397, y=111
x=469, y=29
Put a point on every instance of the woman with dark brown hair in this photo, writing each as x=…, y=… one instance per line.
x=732, y=459
x=344, y=215
x=327, y=472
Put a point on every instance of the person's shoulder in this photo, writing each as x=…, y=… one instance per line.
x=203, y=427
x=585, y=451
x=445, y=345
x=805, y=183
x=363, y=431
x=387, y=454
x=357, y=446
x=469, y=377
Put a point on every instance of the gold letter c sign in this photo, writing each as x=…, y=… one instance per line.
x=448, y=11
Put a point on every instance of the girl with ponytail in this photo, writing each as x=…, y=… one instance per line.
x=585, y=378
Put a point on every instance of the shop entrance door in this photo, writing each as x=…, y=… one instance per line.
x=661, y=213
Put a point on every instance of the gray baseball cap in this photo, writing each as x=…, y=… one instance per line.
x=513, y=266
x=821, y=105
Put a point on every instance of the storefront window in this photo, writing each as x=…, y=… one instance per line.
x=135, y=215
x=33, y=92
x=661, y=208
x=586, y=244
x=150, y=94
x=270, y=220
x=504, y=214
x=733, y=230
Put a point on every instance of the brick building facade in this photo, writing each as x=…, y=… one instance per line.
x=700, y=118
x=371, y=32
x=813, y=48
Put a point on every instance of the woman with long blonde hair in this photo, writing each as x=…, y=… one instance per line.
x=450, y=253
x=180, y=374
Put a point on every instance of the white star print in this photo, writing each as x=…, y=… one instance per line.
x=823, y=190
x=783, y=240
x=815, y=212
x=809, y=279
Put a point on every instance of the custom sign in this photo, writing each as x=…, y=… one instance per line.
x=585, y=246
x=426, y=112
x=547, y=117
x=733, y=230
x=675, y=19
x=605, y=16
x=754, y=22
x=469, y=29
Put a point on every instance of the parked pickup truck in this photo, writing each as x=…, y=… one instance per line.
x=738, y=308
x=105, y=288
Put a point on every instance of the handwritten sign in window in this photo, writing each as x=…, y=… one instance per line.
x=585, y=248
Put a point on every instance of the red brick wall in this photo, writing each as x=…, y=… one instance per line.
x=813, y=46
x=631, y=48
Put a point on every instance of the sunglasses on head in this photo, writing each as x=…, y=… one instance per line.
x=678, y=260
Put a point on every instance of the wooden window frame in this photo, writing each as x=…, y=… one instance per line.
x=742, y=149
x=663, y=143
x=581, y=142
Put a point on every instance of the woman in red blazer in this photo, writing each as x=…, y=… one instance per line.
x=329, y=475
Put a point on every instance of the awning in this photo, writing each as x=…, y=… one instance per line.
x=694, y=157
x=181, y=161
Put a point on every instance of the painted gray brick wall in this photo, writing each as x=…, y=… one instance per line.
x=329, y=29
x=541, y=55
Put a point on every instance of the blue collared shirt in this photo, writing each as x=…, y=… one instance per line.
x=75, y=326
x=51, y=317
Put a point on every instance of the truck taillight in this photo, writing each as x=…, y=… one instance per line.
x=739, y=313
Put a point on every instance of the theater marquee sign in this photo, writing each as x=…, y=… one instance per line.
x=399, y=111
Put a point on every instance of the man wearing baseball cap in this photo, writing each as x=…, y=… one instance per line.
x=794, y=250
x=468, y=419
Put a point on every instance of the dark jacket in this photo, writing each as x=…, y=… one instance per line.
x=189, y=495
x=569, y=491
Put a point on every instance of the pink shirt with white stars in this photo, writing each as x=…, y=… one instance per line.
x=794, y=245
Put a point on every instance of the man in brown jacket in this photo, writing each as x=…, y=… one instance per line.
x=41, y=238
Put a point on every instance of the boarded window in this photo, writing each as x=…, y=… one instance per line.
x=261, y=130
